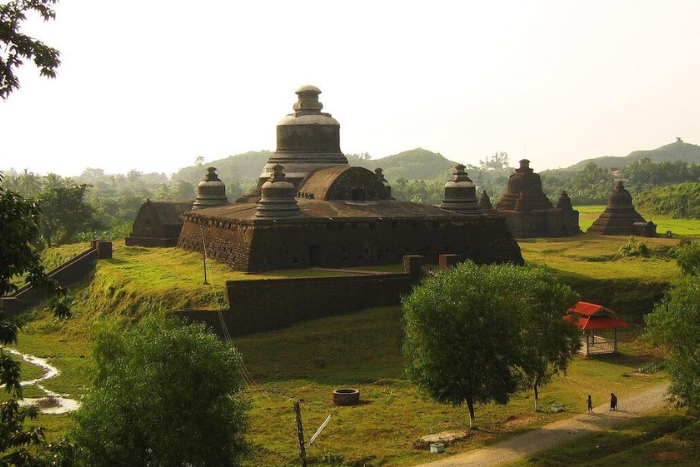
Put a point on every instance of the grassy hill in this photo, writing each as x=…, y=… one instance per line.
x=674, y=152
x=416, y=164
x=242, y=169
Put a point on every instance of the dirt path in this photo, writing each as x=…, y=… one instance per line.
x=556, y=433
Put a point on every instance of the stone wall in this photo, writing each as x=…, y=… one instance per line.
x=264, y=305
x=308, y=242
x=65, y=275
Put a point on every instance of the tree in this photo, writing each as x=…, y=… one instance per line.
x=688, y=258
x=21, y=446
x=497, y=162
x=165, y=394
x=462, y=337
x=674, y=325
x=64, y=213
x=184, y=190
x=592, y=184
x=16, y=47
x=548, y=341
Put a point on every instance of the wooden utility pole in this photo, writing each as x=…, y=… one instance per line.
x=204, y=258
x=300, y=434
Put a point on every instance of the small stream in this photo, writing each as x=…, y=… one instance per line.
x=52, y=403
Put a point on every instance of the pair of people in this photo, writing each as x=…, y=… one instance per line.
x=613, y=402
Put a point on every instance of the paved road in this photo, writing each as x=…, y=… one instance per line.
x=555, y=433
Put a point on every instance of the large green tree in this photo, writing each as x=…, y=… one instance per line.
x=462, y=337
x=17, y=47
x=674, y=325
x=548, y=342
x=476, y=333
x=21, y=445
x=65, y=213
x=166, y=394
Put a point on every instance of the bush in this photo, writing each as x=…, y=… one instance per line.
x=633, y=248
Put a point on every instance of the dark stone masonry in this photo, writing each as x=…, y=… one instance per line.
x=311, y=208
x=527, y=210
x=620, y=217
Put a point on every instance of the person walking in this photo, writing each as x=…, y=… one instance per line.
x=613, y=401
x=589, y=401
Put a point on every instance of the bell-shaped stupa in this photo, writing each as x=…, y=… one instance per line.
x=620, y=217
x=307, y=140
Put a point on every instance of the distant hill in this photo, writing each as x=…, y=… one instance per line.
x=244, y=169
x=416, y=164
x=674, y=152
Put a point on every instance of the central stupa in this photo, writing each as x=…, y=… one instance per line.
x=307, y=140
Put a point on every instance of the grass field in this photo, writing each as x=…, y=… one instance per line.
x=678, y=227
x=363, y=350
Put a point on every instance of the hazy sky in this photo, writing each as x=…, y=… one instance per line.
x=152, y=84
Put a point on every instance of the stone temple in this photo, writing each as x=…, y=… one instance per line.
x=620, y=217
x=528, y=211
x=312, y=209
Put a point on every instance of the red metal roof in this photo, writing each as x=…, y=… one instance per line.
x=596, y=322
x=585, y=308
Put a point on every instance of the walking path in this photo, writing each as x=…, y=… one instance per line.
x=556, y=433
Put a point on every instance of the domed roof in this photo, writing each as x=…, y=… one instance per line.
x=277, y=198
x=528, y=184
x=620, y=196
x=211, y=191
x=460, y=193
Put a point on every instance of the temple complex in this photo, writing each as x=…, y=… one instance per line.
x=527, y=210
x=311, y=208
x=620, y=217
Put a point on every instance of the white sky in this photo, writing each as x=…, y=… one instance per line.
x=152, y=84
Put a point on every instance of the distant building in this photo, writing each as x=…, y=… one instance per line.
x=527, y=210
x=620, y=217
x=158, y=224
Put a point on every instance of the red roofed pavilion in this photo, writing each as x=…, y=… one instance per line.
x=598, y=327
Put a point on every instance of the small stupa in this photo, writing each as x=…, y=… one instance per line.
x=211, y=191
x=620, y=217
x=460, y=194
x=528, y=211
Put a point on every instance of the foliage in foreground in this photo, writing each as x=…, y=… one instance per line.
x=475, y=334
x=675, y=326
x=688, y=258
x=16, y=47
x=166, y=394
x=19, y=445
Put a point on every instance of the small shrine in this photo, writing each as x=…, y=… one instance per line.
x=620, y=217
x=527, y=210
x=158, y=224
x=599, y=328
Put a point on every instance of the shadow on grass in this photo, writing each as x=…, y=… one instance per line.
x=633, y=362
